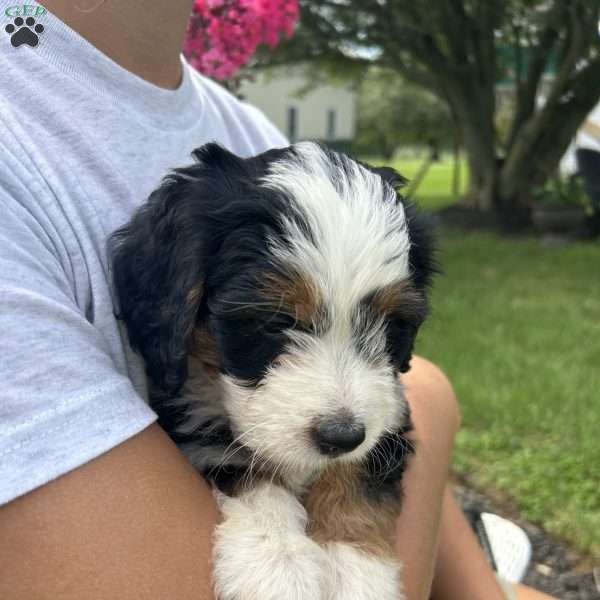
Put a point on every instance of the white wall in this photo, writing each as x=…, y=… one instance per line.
x=276, y=92
x=588, y=136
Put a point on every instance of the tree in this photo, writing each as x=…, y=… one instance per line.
x=394, y=112
x=460, y=50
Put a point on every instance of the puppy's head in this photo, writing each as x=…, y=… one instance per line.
x=297, y=278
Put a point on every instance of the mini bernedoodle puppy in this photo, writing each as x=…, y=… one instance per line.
x=275, y=300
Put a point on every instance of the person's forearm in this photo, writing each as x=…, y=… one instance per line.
x=435, y=417
x=135, y=523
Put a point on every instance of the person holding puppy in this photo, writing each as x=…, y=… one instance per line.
x=96, y=105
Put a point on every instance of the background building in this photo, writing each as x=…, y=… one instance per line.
x=327, y=112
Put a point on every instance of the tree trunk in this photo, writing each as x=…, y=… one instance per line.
x=482, y=185
x=507, y=184
x=542, y=142
x=456, y=169
x=473, y=107
x=482, y=168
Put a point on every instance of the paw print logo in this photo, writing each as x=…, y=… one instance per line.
x=24, y=32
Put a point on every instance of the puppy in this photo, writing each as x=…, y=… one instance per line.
x=275, y=300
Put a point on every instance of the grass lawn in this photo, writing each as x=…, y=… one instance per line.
x=434, y=192
x=516, y=325
x=517, y=328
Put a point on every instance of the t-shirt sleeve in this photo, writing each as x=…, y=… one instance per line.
x=62, y=399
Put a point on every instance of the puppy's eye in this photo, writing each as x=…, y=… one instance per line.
x=277, y=324
x=400, y=338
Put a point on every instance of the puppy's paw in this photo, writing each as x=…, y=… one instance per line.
x=261, y=549
x=267, y=505
x=356, y=575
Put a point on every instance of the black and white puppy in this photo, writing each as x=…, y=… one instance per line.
x=275, y=300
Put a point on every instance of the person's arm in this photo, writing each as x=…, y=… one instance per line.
x=99, y=503
x=135, y=522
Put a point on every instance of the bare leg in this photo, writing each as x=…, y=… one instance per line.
x=441, y=557
x=527, y=593
x=436, y=418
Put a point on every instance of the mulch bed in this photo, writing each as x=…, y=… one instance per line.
x=514, y=223
x=470, y=219
x=555, y=568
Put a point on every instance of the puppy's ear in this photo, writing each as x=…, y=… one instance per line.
x=159, y=264
x=422, y=260
x=390, y=176
x=423, y=250
x=420, y=231
x=422, y=253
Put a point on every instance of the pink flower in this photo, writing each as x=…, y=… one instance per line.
x=223, y=34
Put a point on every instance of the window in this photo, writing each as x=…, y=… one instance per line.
x=331, y=122
x=292, y=124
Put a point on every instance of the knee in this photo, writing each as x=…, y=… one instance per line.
x=430, y=392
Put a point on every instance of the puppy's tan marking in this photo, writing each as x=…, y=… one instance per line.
x=192, y=301
x=293, y=294
x=340, y=511
x=400, y=297
x=195, y=294
x=203, y=348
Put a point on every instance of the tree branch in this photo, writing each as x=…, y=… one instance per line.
x=528, y=91
x=549, y=132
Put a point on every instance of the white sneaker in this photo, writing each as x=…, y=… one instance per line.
x=509, y=545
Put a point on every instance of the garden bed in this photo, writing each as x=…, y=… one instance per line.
x=555, y=568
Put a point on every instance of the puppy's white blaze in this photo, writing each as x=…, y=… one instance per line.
x=359, y=230
x=316, y=378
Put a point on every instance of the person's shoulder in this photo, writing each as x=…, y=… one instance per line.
x=240, y=115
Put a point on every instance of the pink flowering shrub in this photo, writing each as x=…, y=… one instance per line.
x=223, y=34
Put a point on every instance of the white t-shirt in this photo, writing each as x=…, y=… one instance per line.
x=82, y=144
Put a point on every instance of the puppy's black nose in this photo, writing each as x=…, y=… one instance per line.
x=336, y=435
